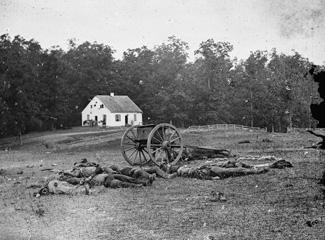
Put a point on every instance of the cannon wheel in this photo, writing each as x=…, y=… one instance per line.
x=133, y=152
x=165, y=138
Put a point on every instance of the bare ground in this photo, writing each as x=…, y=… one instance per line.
x=281, y=204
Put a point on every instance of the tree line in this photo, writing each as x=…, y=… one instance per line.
x=43, y=89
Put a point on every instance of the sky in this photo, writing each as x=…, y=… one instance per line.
x=125, y=24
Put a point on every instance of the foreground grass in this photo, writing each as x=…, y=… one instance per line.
x=275, y=205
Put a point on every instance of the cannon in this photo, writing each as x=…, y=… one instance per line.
x=142, y=144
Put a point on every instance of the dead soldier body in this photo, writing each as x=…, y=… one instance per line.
x=158, y=169
x=86, y=175
x=107, y=180
x=228, y=169
x=207, y=171
x=147, y=172
x=217, y=170
x=96, y=175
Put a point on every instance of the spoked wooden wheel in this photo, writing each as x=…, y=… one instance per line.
x=165, y=144
x=133, y=150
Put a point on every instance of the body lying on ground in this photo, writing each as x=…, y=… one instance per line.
x=228, y=169
x=220, y=170
x=85, y=175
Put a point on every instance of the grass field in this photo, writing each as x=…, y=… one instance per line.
x=281, y=204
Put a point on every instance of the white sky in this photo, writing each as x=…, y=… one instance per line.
x=248, y=24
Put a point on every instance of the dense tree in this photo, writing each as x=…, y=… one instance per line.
x=45, y=89
x=170, y=59
x=256, y=96
x=136, y=74
x=291, y=90
x=212, y=76
x=53, y=90
x=19, y=74
x=90, y=72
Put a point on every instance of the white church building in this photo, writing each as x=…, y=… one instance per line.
x=111, y=111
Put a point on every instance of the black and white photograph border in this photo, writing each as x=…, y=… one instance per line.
x=152, y=119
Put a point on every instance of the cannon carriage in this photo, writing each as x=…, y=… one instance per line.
x=147, y=144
